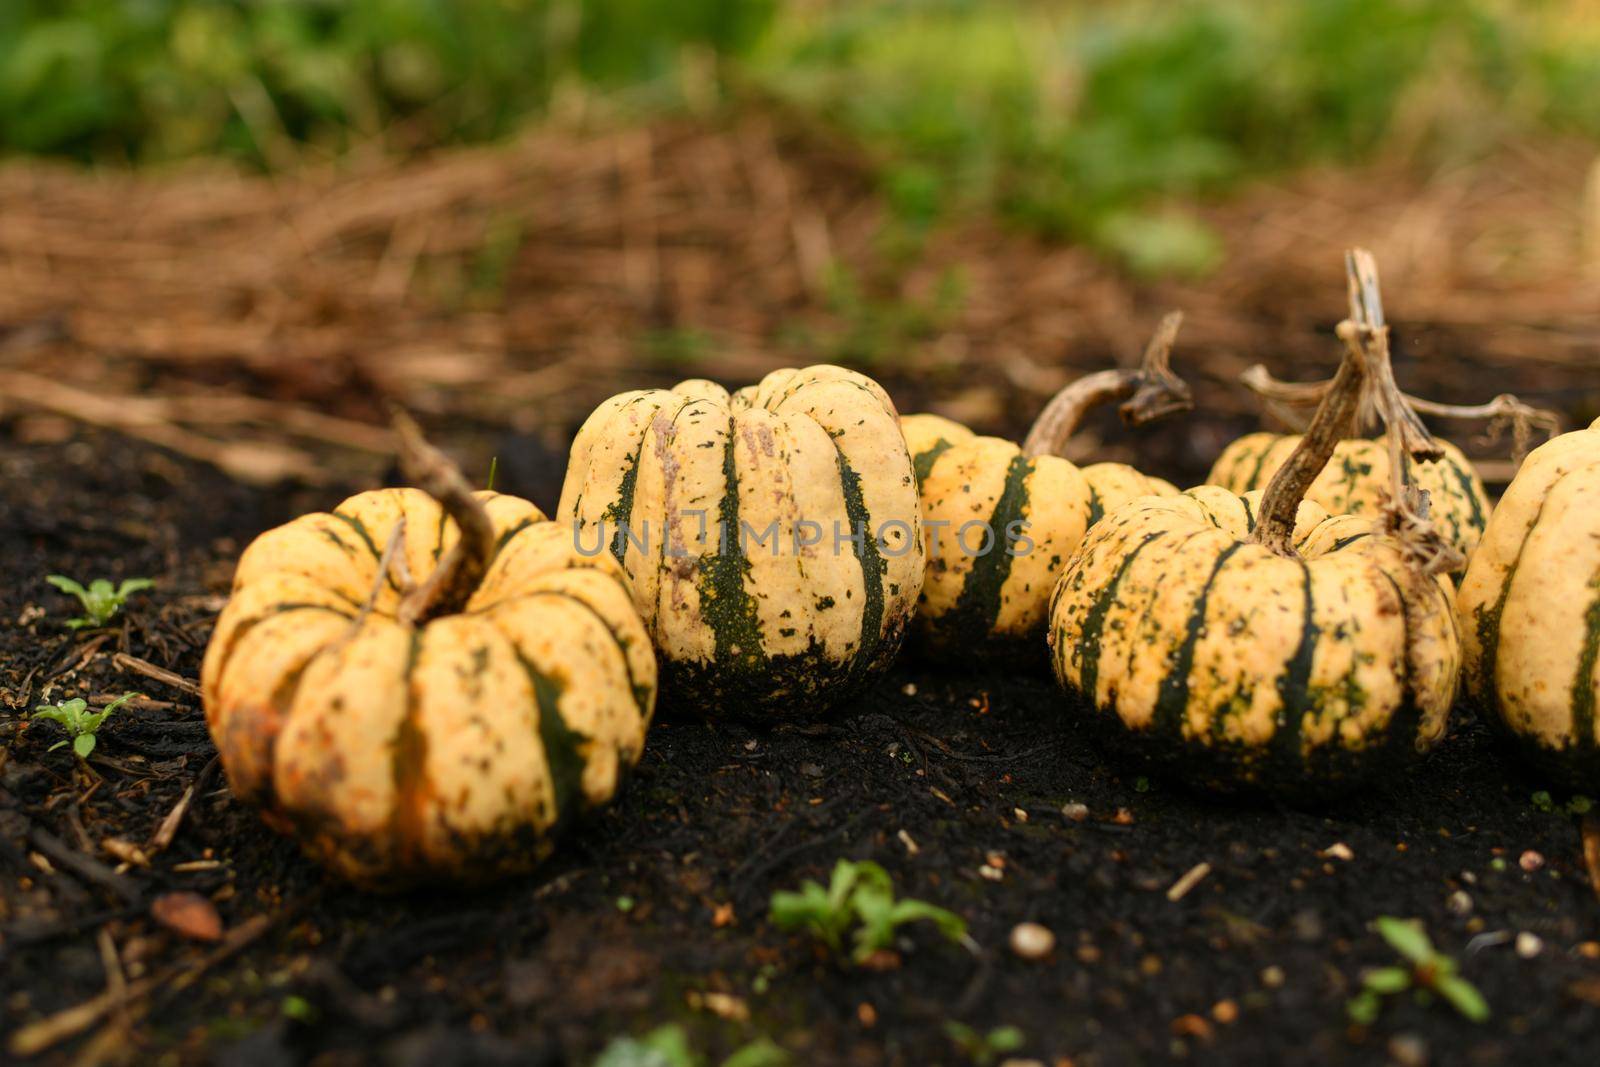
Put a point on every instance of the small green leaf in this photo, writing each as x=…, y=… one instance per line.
x=1405, y=937
x=298, y=1008
x=1005, y=1039
x=1387, y=979
x=83, y=744
x=67, y=585
x=1464, y=996
x=1542, y=801
x=762, y=1052
x=1579, y=805
x=57, y=745
x=666, y=1046
x=1363, y=1008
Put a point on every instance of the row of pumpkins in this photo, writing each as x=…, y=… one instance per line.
x=428, y=683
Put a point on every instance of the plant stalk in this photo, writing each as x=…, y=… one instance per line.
x=1151, y=391
x=462, y=568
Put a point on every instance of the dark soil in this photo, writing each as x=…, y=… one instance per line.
x=663, y=898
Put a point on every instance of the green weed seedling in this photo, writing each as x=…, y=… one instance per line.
x=101, y=601
x=668, y=1046
x=1427, y=971
x=859, y=894
x=80, y=723
x=984, y=1049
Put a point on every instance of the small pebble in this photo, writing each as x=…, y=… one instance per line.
x=909, y=689
x=1529, y=944
x=1458, y=903
x=1019, y=814
x=1272, y=977
x=867, y=1014
x=1032, y=941
x=1123, y=817
x=1530, y=860
x=993, y=874
x=1225, y=1012
x=1408, y=1050
x=1589, y=950
x=1191, y=1026
x=1088, y=954
x=1339, y=851
x=1075, y=811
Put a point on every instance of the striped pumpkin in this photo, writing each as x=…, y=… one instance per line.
x=998, y=526
x=1255, y=642
x=1530, y=608
x=1239, y=668
x=770, y=536
x=450, y=748
x=1356, y=481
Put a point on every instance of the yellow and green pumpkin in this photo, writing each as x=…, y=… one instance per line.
x=999, y=519
x=770, y=536
x=1256, y=642
x=1236, y=668
x=1530, y=609
x=997, y=528
x=450, y=747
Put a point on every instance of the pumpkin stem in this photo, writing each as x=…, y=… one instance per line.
x=1152, y=392
x=1504, y=412
x=1335, y=416
x=452, y=582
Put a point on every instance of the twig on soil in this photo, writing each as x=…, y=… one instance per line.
x=36, y=1037
x=1191, y=878
x=85, y=867
x=150, y=670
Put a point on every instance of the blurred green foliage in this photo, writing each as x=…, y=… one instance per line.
x=156, y=79
x=1088, y=119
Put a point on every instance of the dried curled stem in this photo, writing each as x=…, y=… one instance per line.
x=1503, y=412
x=461, y=570
x=1152, y=392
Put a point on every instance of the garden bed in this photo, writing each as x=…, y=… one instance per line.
x=663, y=898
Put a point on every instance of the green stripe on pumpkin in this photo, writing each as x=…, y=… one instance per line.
x=1094, y=620
x=563, y=746
x=1294, y=688
x=977, y=607
x=873, y=566
x=1255, y=472
x=641, y=693
x=1583, y=685
x=922, y=463
x=725, y=603
x=1173, y=698
x=1488, y=622
x=409, y=758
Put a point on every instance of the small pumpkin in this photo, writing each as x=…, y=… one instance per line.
x=1356, y=480
x=1256, y=642
x=999, y=519
x=770, y=536
x=1530, y=608
x=416, y=705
